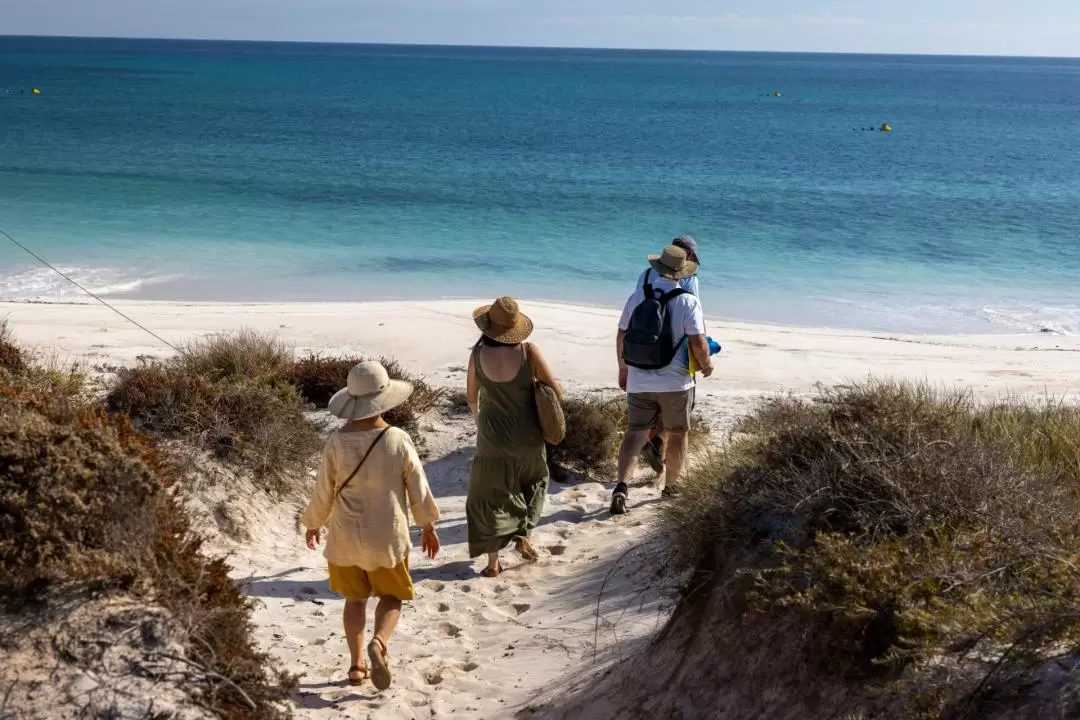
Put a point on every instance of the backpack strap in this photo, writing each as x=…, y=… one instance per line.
x=672, y=294
x=361, y=463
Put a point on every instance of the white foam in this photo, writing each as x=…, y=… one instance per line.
x=42, y=284
x=1059, y=320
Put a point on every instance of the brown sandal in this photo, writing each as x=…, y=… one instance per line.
x=380, y=664
x=492, y=572
x=364, y=674
x=526, y=550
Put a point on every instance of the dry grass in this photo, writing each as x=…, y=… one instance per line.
x=229, y=395
x=86, y=504
x=318, y=377
x=12, y=357
x=913, y=541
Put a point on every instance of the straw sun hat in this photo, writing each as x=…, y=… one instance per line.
x=503, y=321
x=370, y=392
x=673, y=263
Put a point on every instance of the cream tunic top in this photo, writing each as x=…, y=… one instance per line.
x=368, y=523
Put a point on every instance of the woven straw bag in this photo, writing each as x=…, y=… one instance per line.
x=550, y=410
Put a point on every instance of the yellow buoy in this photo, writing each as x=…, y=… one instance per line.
x=778, y=94
x=36, y=91
x=886, y=127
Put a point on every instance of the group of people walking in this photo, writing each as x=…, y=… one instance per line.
x=370, y=477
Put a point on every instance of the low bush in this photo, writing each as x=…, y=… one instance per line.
x=229, y=395
x=12, y=357
x=318, y=377
x=86, y=504
x=912, y=541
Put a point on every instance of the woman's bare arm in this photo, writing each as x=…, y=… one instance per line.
x=541, y=370
x=472, y=389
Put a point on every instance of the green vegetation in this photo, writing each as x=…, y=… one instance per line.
x=228, y=395
x=318, y=377
x=915, y=542
x=87, y=506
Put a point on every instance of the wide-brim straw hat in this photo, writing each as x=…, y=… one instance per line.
x=369, y=392
x=673, y=263
x=503, y=321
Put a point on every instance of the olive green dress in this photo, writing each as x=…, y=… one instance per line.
x=509, y=478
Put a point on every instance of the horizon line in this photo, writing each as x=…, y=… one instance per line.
x=536, y=47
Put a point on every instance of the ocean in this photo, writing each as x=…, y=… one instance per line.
x=225, y=171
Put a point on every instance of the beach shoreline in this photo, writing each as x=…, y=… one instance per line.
x=434, y=337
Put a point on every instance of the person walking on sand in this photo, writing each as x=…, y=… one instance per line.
x=661, y=325
x=369, y=478
x=509, y=477
x=653, y=452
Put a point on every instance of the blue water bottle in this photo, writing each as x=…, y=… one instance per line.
x=714, y=347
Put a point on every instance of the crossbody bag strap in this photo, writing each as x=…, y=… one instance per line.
x=362, y=461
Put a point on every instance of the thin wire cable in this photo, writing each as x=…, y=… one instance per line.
x=44, y=262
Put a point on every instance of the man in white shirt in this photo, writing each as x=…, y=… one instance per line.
x=653, y=452
x=664, y=393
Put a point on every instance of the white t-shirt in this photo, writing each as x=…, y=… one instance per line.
x=686, y=319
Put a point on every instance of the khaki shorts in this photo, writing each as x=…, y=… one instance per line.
x=671, y=408
x=357, y=584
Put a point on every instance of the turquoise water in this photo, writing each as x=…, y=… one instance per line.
x=252, y=171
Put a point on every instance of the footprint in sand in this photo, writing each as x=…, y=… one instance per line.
x=556, y=549
x=470, y=666
x=434, y=677
x=466, y=588
x=437, y=586
x=443, y=607
x=521, y=607
x=565, y=533
x=451, y=630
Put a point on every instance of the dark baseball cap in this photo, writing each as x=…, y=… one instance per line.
x=687, y=243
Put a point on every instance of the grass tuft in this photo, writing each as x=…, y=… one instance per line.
x=318, y=377
x=228, y=395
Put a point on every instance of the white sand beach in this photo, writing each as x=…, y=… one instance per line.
x=471, y=647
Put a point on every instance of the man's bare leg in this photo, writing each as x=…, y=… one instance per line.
x=674, y=457
x=632, y=443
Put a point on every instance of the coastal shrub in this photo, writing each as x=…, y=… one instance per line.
x=318, y=377
x=241, y=355
x=86, y=506
x=907, y=540
x=12, y=357
x=229, y=395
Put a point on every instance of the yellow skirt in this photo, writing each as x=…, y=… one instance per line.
x=357, y=584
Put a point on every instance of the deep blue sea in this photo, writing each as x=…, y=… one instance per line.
x=262, y=171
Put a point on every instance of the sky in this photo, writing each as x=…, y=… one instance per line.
x=962, y=27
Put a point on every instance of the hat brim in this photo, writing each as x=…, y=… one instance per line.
x=352, y=407
x=520, y=331
x=688, y=270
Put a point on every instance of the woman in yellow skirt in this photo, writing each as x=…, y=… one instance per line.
x=370, y=476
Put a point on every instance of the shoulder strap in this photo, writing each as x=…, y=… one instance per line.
x=362, y=461
x=672, y=294
x=646, y=286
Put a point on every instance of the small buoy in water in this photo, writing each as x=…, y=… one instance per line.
x=886, y=127
x=35, y=91
x=778, y=94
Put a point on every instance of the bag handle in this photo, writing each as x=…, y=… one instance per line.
x=361, y=463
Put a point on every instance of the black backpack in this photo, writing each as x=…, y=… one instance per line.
x=649, y=343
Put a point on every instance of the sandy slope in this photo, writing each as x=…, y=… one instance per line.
x=468, y=646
